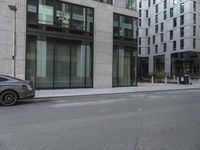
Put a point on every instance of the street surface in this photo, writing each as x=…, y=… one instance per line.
x=139, y=121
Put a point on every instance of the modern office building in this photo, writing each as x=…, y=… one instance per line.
x=70, y=43
x=169, y=37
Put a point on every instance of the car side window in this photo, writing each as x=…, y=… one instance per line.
x=2, y=79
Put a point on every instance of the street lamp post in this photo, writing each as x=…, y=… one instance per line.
x=14, y=9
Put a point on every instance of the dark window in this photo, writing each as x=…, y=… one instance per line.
x=164, y=47
x=156, y=28
x=182, y=44
x=161, y=26
x=171, y=35
x=182, y=32
x=194, y=43
x=161, y=37
x=194, y=6
x=182, y=20
x=147, y=13
x=156, y=19
x=174, y=22
x=182, y=8
x=154, y=39
x=105, y=1
x=165, y=15
x=165, y=4
x=174, y=45
x=149, y=40
x=156, y=8
x=156, y=49
x=194, y=30
x=171, y=12
x=194, y=18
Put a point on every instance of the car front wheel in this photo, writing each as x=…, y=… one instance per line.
x=8, y=98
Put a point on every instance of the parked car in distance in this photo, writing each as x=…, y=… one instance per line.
x=13, y=89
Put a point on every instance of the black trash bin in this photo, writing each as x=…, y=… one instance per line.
x=184, y=79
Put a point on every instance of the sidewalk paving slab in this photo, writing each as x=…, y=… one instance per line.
x=142, y=87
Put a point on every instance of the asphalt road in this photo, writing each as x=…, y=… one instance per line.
x=142, y=121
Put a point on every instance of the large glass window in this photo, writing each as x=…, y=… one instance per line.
x=46, y=12
x=55, y=63
x=185, y=62
x=63, y=15
x=32, y=11
x=125, y=26
x=78, y=18
x=131, y=4
x=124, y=66
x=159, y=64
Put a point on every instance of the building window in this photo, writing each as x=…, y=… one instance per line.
x=57, y=63
x=182, y=44
x=161, y=26
x=131, y=4
x=149, y=40
x=156, y=19
x=147, y=32
x=164, y=47
x=32, y=16
x=124, y=66
x=140, y=40
x=171, y=36
x=182, y=20
x=171, y=12
x=154, y=2
x=194, y=18
x=105, y=1
x=125, y=26
x=140, y=4
x=174, y=45
x=156, y=8
x=182, y=8
x=154, y=39
x=139, y=52
x=194, y=43
x=161, y=37
x=46, y=12
x=194, y=30
x=149, y=21
x=165, y=15
x=149, y=50
x=174, y=22
x=147, y=13
x=149, y=3
x=165, y=4
x=194, y=6
x=140, y=22
x=140, y=13
x=182, y=32
x=156, y=28
x=156, y=49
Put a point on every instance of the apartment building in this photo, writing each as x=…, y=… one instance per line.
x=169, y=37
x=70, y=43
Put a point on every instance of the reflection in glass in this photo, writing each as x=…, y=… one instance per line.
x=44, y=64
x=46, y=12
x=78, y=18
x=32, y=11
x=62, y=66
x=63, y=15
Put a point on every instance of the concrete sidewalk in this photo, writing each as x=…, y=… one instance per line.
x=142, y=87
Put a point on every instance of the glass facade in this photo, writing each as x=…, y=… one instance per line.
x=124, y=66
x=143, y=67
x=56, y=63
x=60, y=15
x=159, y=64
x=125, y=26
x=185, y=62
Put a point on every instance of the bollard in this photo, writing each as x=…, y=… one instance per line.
x=152, y=78
x=165, y=80
x=178, y=80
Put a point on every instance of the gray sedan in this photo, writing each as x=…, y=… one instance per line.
x=13, y=89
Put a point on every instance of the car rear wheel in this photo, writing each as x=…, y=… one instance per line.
x=8, y=98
